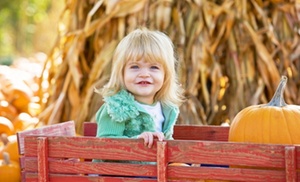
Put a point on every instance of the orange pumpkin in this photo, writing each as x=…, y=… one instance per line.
x=272, y=123
x=11, y=147
x=7, y=110
x=6, y=126
x=9, y=170
x=17, y=93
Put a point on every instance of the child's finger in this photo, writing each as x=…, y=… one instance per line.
x=160, y=136
x=149, y=137
x=144, y=137
x=150, y=140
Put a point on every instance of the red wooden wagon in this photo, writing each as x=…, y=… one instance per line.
x=66, y=157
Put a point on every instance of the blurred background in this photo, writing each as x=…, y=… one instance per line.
x=27, y=27
x=232, y=54
x=54, y=53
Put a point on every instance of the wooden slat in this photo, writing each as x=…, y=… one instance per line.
x=195, y=132
x=30, y=177
x=104, y=168
x=162, y=161
x=232, y=174
x=297, y=149
x=189, y=172
x=93, y=148
x=188, y=151
x=43, y=159
x=61, y=129
x=65, y=178
x=290, y=164
x=222, y=153
x=181, y=132
x=89, y=129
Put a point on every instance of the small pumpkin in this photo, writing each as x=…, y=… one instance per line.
x=9, y=170
x=11, y=147
x=17, y=93
x=8, y=110
x=6, y=126
x=272, y=123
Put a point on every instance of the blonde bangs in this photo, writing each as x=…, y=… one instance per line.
x=147, y=49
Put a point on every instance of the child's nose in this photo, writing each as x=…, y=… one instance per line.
x=144, y=73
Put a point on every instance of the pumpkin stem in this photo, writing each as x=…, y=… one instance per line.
x=6, y=158
x=4, y=139
x=278, y=99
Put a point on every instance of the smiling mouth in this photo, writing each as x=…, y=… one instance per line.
x=144, y=82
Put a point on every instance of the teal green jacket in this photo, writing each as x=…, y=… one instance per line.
x=121, y=117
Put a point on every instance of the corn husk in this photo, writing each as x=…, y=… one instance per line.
x=232, y=54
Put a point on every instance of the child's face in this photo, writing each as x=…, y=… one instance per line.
x=143, y=79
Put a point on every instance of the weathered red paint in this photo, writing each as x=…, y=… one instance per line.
x=67, y=158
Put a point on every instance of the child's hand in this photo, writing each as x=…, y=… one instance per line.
x=149, y=137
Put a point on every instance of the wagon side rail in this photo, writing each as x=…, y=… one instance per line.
x=235, y=161
x=181, y=132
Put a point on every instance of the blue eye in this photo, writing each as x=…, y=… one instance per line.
x=155, y=67
x=134, y=67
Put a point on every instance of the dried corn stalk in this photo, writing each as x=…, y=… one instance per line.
x=232, y=54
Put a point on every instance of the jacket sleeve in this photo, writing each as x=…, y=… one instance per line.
x=171, y=116
x=107, y=127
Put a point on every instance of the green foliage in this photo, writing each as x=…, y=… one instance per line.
x=18, y=19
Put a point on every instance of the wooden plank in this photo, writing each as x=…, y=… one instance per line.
x=162, y=161
x=181, y=132
x=226, y=153
x=197, y=173
x=65, y=178
x=33, y=177
x=31, y=164
x=89, y=129
x=22, y=163
x=30, y=177
x=43, y=159
x=297, y=150
x=172, y=172
x=290, y=164
x=104, y=168
x=196, y=132
x=231, y=174
x=178, y=151
x=61, y=129
x=96, y=148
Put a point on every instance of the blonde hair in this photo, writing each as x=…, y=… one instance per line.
x=152, y=46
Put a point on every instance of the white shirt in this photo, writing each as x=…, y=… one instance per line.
x=155, y=112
